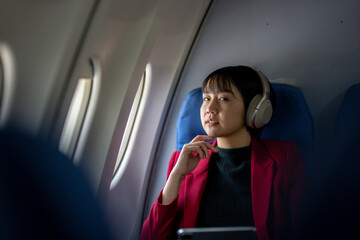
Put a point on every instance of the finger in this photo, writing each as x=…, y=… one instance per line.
x=194, y=149
x=202, y=138
x=204, y=148
x=199, y=152
x=213, y=148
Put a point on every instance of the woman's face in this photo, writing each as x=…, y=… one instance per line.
x=222, y=112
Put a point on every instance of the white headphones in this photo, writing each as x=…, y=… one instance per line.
x=260, y=109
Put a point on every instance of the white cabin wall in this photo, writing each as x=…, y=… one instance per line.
x=314, y=44
x=121, y=38
x=43, y=38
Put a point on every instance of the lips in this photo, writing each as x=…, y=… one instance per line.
x=211, y=122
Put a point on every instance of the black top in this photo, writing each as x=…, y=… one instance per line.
x=227, y=196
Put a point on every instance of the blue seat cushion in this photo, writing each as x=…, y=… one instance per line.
x=188, y=123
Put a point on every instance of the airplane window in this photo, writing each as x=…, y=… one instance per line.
x=130, y=123
x=75, y=116
x=1, y=82
x=7, y=81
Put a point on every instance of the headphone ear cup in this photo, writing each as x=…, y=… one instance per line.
x=257, y=118
x=263, y=114
x=251, y=110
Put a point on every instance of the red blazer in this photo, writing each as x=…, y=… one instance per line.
x=278, y=185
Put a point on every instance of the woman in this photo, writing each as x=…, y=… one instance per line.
x=239, y=179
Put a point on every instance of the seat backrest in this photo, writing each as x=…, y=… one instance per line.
x=292, y=120
x=347, y=128
x=336, y=193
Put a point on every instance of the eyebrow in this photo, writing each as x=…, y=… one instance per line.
x=220, y=91
x=206, y=91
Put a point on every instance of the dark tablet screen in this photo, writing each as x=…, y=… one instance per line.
x=229, y=233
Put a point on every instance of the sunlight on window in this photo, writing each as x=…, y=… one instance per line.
x=130, y=123
x=7, y=82
x=1, y=82
x=75, y=117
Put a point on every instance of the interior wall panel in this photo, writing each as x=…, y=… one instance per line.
x=43, y=35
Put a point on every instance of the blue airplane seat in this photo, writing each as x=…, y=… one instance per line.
x=336, y=193
x=188, y=124
x=347, y=128
x=292, y=120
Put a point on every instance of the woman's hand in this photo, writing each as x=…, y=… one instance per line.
x=188, y=160
x=191, y=154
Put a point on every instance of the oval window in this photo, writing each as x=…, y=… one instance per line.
x=130, y=123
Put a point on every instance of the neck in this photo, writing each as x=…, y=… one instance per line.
x=235, y=141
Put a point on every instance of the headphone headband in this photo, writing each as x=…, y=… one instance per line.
x=265, y=84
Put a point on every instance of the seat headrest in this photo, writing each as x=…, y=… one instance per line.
x=188, y=123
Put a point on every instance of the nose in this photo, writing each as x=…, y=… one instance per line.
x=211, y=108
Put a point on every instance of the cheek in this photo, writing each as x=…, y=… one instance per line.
x=236, y=115
x=202, y=115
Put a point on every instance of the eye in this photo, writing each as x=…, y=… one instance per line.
x=223, y=99
x=206, y=99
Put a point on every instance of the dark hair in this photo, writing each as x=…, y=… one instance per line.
x=247, y=81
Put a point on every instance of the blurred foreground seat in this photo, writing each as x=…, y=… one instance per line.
x=43, y=195
x=334, y=208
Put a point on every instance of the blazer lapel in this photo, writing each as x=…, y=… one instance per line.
x=262, y=172
x=195, y=183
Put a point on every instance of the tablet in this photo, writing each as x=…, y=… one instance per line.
x=212, y=233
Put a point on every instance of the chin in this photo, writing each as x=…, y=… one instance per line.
x=210, y=134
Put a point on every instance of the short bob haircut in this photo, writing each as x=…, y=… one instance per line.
x=247, y=81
